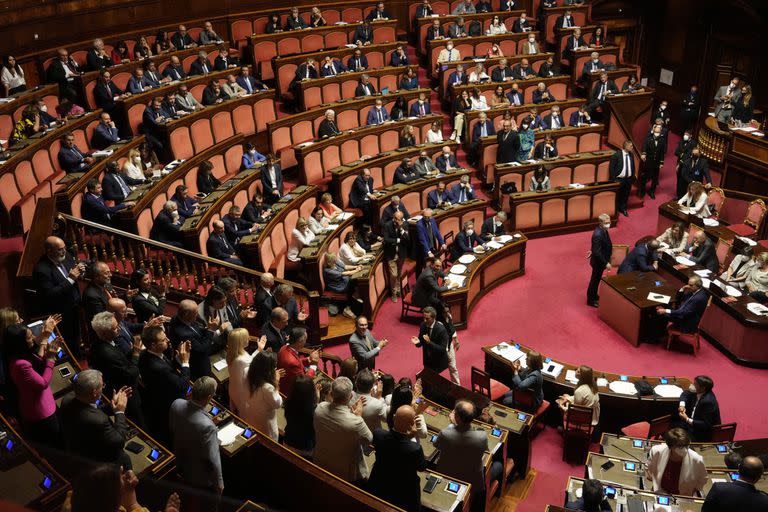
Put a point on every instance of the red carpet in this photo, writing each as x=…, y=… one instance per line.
x=546, y=309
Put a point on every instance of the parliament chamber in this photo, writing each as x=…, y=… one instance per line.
x=334, y=255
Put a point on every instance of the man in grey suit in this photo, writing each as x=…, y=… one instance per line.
x=725, y=98
x=363, y=346
x=424, y=165
x=461, y=452
x=342, y=434
x=196, y=443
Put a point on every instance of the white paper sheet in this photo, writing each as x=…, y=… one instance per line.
x=711, y=222
x=494, y=245
x=757, y=308
x=732, y=292
x=229, y=433
x=570, y=376
x=505, y=238
x=668, y=390
x=509, y=352
x=467, y=259
x=220, y=364
x=657, y=297
x=602, y=382
x=703, y=272
x=459, y=280
x=685, y=261
x=556, y=369
x=622, y=387
x=458, y=268
x=746, y=240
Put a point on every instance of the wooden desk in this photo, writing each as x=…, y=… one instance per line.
x=616, y=409
x=441, y=499
x=625, y=305
x=566, y=169
x=446, y=20
x=614, y=445
x=322, y=90
x=477, y=46
x=562, y=211
x=746, y=167
x=26, y=478
x=378, y=55
x=317, y=158
x=625, y=495
x=372, y=284
x=569, y=140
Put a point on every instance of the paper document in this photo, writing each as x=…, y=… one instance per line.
x=505, y=238
x=757, y=308
x=602, y=382
x=494, y=245
x=711, y=222
x=705, y=282
x=458, y=268
x=220, y=364
x=509, y=352
x=685, y=261
x=459, y=280
x=746, y=240
x=104, y=152
x=703, y=272
x=552, y=369
x=657, y=297
x=668, y=390
x=732, y=292
x=332, y=227
x=467, y=259
x=571, y=377
x=622, y=387
x=229, y=433
x=345, y=215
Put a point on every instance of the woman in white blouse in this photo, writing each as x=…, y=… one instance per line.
x=740, y=268
x=317, y=221
x=675, y=237
x=497, y=27
x=350, y=253
x=674, y=468
x=12, y=76
x=435, y=133
x=757, y=280
x=478, y=74
x=238, y=361
x=132, y=166
x=584, y=395
x=263, y=400
x=696, y=200
x=478, y=100
x=301, y=237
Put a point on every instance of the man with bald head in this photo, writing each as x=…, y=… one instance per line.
x=55, y=280
x=740, y=494
x=394, y=477
x=99, y=291
x=218, y=247
x=274, y=329
x=127, y=331
x=204, y=337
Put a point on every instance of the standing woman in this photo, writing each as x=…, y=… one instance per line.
x=526, y=139
x=585, y=394
x=263, y=400
x=463, y=104
x=745, y=106
x=674, y=468
x=30, y=366
x=299, y=415
x=238, y=362
x=12, y=76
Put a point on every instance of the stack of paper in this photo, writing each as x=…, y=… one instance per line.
x=711, y=222
x=622, y=387
x=452, y=278
x=505, y=238
x=510, y=352
x=494, y=245
x=746, y=240
x=220, y=364
x=228, y=434
x=602, y=382
x=458, y=268
x=570, y=376
x=703, y=272
x=552, y=369
x=731, y=291
x=103, y=152
x=332, y=227
x=467, y=259
x=657, y=297
x=685, y=261
x=345, y=215
x=757, y=308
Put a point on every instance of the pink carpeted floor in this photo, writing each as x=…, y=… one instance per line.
x=546, y=309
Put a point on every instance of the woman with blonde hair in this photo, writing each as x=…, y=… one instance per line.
x=330, y=210
x=238, y=361
x=132, y=166
x=301, y=237
x=696, y=200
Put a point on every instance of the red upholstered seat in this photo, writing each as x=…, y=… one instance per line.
x=483, y=383
x=654, y=429
x=742, y=229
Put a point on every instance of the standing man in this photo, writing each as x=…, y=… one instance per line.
x=433, y=339
x=652, y=156
x=690, y=109
x=396, y=243
x=363, y=346
x=599, y=257
x=427, y=291
x=196, y=444
x=622, y=169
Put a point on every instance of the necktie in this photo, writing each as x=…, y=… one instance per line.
x=625, y=170
x=567, y=22
x=463, y=196
x=77, y=152
x=555, y=122
x=421, y=109
x=333, y=70
x=483, y=131
x=248, y=85
x=431, y=235
x=450, y=55
x=125, y=188
x=602, y=91
x=379, y=116
x=63, y=270
x=226, y=245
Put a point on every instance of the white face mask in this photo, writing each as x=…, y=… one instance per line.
x=680, y=451
x=532, y=40
x=450, y=47
x=175, y=214
x=663, y=107
x=137, y=159
x=686, y=137
x=607, y=225
x=498, y=224
x=656, y=134
x=470, y=231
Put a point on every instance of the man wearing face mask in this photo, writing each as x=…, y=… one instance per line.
x=599, y=257
x=521, y=24
x=653, y=159
x=465, y=241
x=674, y=468
x=690, y=108
x=663, y=113
x=725, y=98
x=507, y=144
x=420, y=108
x=695, y=168
x=251, y=157
x=167, y=226
x=494, y=226
x=531, y=47
x=448, y=54
x=594, y=65
x=425, y=166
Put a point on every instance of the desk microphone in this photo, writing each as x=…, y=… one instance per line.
x=627, y=453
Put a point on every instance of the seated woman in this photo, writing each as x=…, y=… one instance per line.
x=206, y=181
x=28, y=124
x=478, y=74
x=584, y=395
x=409, y=81
x=399, y=109
x=330, y=210
x=740, y=268
x=631, y=85
x=163, y=42
x=435, y=133
x=757, y=280
x=499, y=99
x=539, y=181
x=337, y=279
x=675, y=237
x=598, y=39
x=674, y=468
x=495, y=51
x=251, y=157
x=695, y=200
x=478, y=100
x=300, y=238
x=133, y=168
x=262, y=399
x=273, y=25
x=67, y=109
x=497, y=27
x=121, y=54
x=350, y=253
x=317, y=221
x=529, y=379
x=407, y=137
x=316, y=18
x=142, y=49
x=545, y=149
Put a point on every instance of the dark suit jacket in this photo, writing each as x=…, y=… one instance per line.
x=443, y=164
x=519, y=94
x=426, y=291
x=545, y=70
x=405, y=174
x=520, y=26
x=219, y=64
x=175, y=73
x=104, y=136
x=706, y=413
x=422, y=232
x=696, y=170
x=654, y=148
x=454, y=79
x=547, y=121
x=180, y=41
x=617, y=164
x=394, y=476
x=254, y=214
x=111, y=190
x=94, y=301
x=538, y=151
x=590, y=67
x=579, y=505
x=162, y=385
x=490, y=230
x=391, y=235
x=165, y=230
x=91, y=434
x=538, y=96
x=295, y=23
x=203, y=344
x=360, y=89
x=54, y=291
x=196, y=68
x=355, y=63
x=207, y=183
x=363, y=34
x=435, y=351
x=243, y=81
x=328, y=128
x=262, y=301
x=732, y=496
x=610, y=89
x=95, y=210
x=456, y=191
x=560, y=21
x=373, y=117
x=705, y=255
x=104, y=96
x=639, y=259
x=489, y=130
x=601, y=248
x=519, y=73
x=301, y=72
x=358, y=196
x=574, y=119
x=275, y=339
x=210, y=96
x=235, y=229
x=136, y=85
x=501, y=74
x=117, y=369
x=397, y=60
x=70, y=160
x=508, y=144
x=266, y=184
x=464, y=243
x=95, y=62
x=56, y=73
x=416, y=109
x=687, y=315
x=149, y=123
x=216, y=248
x=390, y=210
x=186, y=207
x=446, y=197
x=145, y=308
x=335, y=68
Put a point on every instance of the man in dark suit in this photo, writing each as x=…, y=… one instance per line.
x=365, y=87
x=88, y=430
x=494, y=226
x=153, y=117
x=698, y=410
x=378, y=14
x=702, y=252
x=127, y=331
x=97, y=57
x=465, y=241
x=136, y=84
x=580, y=117
x=105, y=134
x=181, y=40
x=167, y=226
x=272, y=180
x=740, y=494
x=599, y=257
x=115, y=185
x=695, y=168
x=553, y=120
x=363, y=34
x=433, y=339
x=174, y=70
x=593, y=65
x=427, y=291
x=592, y=498
x=521, y=24
x=603, y=88
x=691, y=104
x=405, y=173
x=565, y=20
x=435, y=31
x=152, y=77
x=331, y=67
x=357, y=62
x=515, y=96
x=55, y=279
x=652, y=156
x=507, y=143
x=457, y=28
x=440, y=197
x=99, y=290
x=263, y=298
x=249, y=82
x=201, y=65
x=63, y=70
x=394, y=476
x=483, y=128
x=118, y=369
x=218, y=247
x=162, y=382
x=186, y=206
x=94, y=209
x=274, y=328
x=223, y=61
x=546, y=149
x=691, y=306
x=642, y=258
x=395, y=205
x=378, y=114
x=548, y=68
x=71, y=159
x=622, y=169
x=542, y=94
x=235, y=227
x=458, y=77
x=446, y=160
x=256, y=212
x=424, y=10
x=295, y=21
x=574, y=42
x=463, y=191
x=105, y=92
x=420, y=107
x=502, y=72
x=399, y=57
x=523, y=70
x=187, y=326
x=361, y=193
x=396, y=243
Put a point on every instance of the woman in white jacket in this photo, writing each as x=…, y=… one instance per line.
x=696, y=200
x=674, y=468
x=238, y=361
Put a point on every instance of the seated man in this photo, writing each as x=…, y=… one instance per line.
x=440, y=197
x=399, y=57
x=136, y=84
x=218, y=247
x=447, y=160
x=523, y=71
x=186, y=205
x=105, y=134
x=698, y=409
x=256, y=212
x=395, y=205
x=592, y=497
x=223, y=60
x=233, y=89
x=494, y=226
x=702, y=252
x=457, y=28
x=580, y=117
x=553, y=120
x=295, y=21
x=331, y=67
x=463, y=191
x=405, y=173
x=115, y=185
x=435, y=31
x=71, y=159
x=174, y=70
x=167, y=226
x=200, y=66
x=336, y=277
x=248, y=82
x=691, y=306
x=362, y=192
x=740, y=494
x=378, y=114
x=420, y=107
x=542, y=94
x=643, y=258
x=208, y=35
x=521, y=24
x=363, y=35
x=502, y=72
x=594, y=65
x=545, y=149
x=185, y=101
x=465, y=241
x=94, y=209
x=424, y=165
x=358, y=61
x=603, y=88
x=515, y=96
x=365, y=87
x=457, y=78
x=449, y=53
x=574, y=42
x=181, y=39
x=235, y=227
